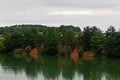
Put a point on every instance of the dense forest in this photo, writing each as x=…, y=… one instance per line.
x=21, y=39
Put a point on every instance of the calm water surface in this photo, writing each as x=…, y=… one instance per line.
x=54, y=68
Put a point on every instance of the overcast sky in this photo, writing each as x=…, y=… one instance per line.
x=101, y=13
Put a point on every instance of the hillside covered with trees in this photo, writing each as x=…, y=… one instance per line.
x=21, y=39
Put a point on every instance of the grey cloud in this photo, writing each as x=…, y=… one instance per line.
x=82, y=3
x=34, y=11
x=62, y=3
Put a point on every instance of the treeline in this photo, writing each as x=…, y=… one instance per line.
x=40, y=28
x=60, y=40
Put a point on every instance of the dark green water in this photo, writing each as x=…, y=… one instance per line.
x=54, y=68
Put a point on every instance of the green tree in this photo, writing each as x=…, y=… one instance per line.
x=112, y=43
x=30, y=37
x=51, y=38
x=98, y=41
x=86, y=39
x=13, y=40
x=2, y=47
x=68, y=38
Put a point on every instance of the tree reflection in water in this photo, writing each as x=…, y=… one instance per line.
x=58, y=68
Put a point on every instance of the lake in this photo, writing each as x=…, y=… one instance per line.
x=58, y=68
